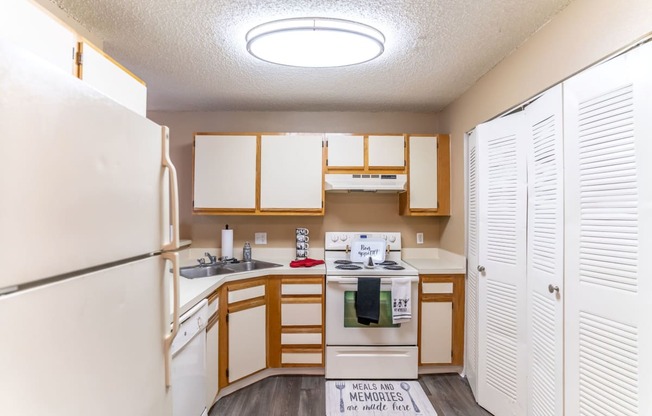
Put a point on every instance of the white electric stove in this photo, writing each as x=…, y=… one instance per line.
x=377, y=351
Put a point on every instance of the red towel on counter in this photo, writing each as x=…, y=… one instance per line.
x=306, y=263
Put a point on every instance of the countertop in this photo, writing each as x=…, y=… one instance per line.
x=191, y=291
x=435, y=261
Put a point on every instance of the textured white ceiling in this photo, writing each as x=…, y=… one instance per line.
x=192, y=54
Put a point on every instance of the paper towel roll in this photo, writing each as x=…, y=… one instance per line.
x=227, y=243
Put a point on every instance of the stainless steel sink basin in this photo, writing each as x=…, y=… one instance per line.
x=247, y=266
x=194, y=272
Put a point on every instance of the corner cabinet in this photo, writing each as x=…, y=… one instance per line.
x=245, y=321
x=428, y=166
x=441, y=320
x=253, y=174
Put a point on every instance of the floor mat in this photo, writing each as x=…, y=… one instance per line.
x=376, y=398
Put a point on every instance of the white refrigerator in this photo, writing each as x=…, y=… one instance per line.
x=88, y=227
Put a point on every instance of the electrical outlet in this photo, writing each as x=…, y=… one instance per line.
x=260, y=238
x=419, y=238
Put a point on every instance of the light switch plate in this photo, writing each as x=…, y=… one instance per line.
x=260, y=238
x=419, y=238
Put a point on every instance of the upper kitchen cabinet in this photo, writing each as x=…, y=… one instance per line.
x=428, y=167
x=225, y=172
x=110, y=78
x=386, y=152
x=345, y=151
x=351, y=153
x=291, y=174
x=29, y=26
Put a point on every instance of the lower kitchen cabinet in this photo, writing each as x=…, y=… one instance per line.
x=246, y=330
x=441, y=320
x=296, y=321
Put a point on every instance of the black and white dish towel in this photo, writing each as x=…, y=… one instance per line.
x=401, y=300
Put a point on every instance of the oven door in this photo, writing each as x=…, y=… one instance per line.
x=342, y=326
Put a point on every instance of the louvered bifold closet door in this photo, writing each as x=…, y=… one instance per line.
x=608, y=165
x=545, y=255
x=471, y=335
x=502, y=332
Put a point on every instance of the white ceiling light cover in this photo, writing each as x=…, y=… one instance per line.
x=315, y=42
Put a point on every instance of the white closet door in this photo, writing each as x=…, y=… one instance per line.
x=608, y=153
x=471, y=361
x=545, y=255
x=502, y=329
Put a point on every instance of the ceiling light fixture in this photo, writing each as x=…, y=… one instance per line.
x=315, y=42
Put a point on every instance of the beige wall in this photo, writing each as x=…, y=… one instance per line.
x=369, y=212
x=582, y=34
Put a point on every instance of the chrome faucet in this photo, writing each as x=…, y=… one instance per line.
x=212, y=259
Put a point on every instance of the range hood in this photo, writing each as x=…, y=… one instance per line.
x=340, y=182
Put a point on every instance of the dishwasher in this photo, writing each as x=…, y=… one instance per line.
x=189, y=363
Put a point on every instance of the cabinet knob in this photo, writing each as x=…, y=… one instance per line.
x=481, y=269
x=552, y=288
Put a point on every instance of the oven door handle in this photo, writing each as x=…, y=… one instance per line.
x=354, y=280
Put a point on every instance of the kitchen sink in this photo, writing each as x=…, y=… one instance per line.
x=246, y=266
x=195, y=272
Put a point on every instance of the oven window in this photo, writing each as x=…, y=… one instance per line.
x=385, y=319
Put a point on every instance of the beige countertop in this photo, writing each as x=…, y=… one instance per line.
x=435, y=261
x=192, y=291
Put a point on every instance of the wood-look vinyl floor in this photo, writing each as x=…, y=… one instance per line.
x=305, y=396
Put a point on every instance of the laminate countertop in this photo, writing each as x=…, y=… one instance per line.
x=435, y=261
x=192, y=291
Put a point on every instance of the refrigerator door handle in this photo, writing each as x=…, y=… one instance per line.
x=169, y=337
x=173, y=244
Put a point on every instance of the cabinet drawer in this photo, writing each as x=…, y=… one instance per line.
x=244, y=294
x=300, y=314
x=301, y=289
x=301, y=339
x=301, y=358
x=442, y=287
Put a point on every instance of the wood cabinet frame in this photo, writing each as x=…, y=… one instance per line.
x=366, y=169
x=276, y=329
x=257, y=210
x=457, y=300
x=443, y=180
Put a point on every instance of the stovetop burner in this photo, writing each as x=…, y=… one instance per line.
x=393, y=267
x=343, y=262
x=348, y=266
x=388, y=263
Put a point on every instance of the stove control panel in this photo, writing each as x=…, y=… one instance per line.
x=340, y=240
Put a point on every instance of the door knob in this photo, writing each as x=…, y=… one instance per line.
x=552, y=288
x=481, y=269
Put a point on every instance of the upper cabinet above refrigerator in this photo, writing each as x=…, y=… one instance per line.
x=33, y=28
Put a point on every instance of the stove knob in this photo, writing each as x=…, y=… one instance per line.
x=392, y=238
x=334, y=238
x=344, y=237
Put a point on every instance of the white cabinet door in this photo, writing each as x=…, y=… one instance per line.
x=212, y=363
x=113, y=80
x=502, y=330
x=247, y=342
x=291, y=174
x=25, y=24
x=345, y=151
x=386, y=152
x=607, y=148
x=545, y=255
x=436, y=332
x=423, y=172
x=471, y=333
x=225, y=172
